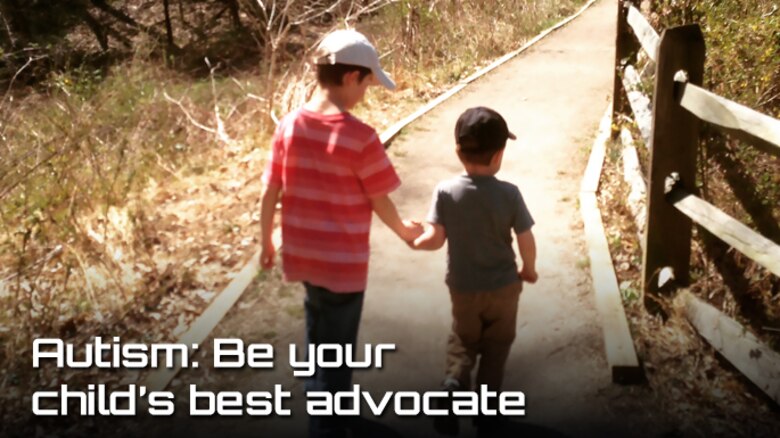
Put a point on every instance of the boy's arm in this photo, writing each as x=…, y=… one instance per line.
x=385, y=209
x=431, y=239
x=527, y=246
x=267, y=210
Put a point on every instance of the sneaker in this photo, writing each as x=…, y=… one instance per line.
x=447, y=424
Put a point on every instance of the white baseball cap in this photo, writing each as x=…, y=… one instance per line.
x=351, y=47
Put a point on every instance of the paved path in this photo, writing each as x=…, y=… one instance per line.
x=552, y=97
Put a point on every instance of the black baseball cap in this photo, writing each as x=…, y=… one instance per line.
x=481, y=129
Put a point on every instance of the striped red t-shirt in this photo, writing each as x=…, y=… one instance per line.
x=328, y=167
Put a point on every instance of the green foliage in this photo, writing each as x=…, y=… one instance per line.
x=743, y=46
x=80, y=81
x=629, y=292
x=743, y=64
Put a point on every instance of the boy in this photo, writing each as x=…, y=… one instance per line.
x=476, y=213
x=332, y=172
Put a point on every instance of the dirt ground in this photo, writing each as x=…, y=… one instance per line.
x=552, y=97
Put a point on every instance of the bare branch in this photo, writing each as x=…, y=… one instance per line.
x=18, y=72
x=368, y=9
x=188, y=115
x=313, y=13
x=221, y=133
x=11, y=38
x=53, y=253
x=256, y=97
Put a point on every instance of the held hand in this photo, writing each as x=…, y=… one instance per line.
x=267, y=256
x=431, y=239
x=420, y=242
x=528, y=275
x=411, y=230
x=415, y=243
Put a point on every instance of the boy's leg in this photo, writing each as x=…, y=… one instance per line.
x=500, y=318
x=462, y=349
x=463, y=343
x=331, y=318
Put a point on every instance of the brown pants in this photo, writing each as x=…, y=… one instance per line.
x=483, y=324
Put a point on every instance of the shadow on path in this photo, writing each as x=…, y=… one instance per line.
x=519, y=429
x=363, y=427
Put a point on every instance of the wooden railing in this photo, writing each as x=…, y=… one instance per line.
x=672, y=135
x=671, y=129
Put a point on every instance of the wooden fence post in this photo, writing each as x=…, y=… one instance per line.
x=674, y=145
x=626, y=46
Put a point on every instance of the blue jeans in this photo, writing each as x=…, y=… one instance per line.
x=331, y=318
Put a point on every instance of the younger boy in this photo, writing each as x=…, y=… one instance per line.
x=476, y=213
x=331, y=172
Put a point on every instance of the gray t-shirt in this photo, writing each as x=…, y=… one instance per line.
x=478, y=214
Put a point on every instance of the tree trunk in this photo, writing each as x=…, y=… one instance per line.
x=96, y=28
x=234, y=13
x=168, y=27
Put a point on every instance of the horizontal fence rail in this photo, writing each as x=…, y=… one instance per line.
x=750, y=243
x=644, y=32
x=756, y=128
x=756, y=361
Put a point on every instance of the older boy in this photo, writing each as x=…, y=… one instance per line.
x=476, y=213
x=331, y=172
